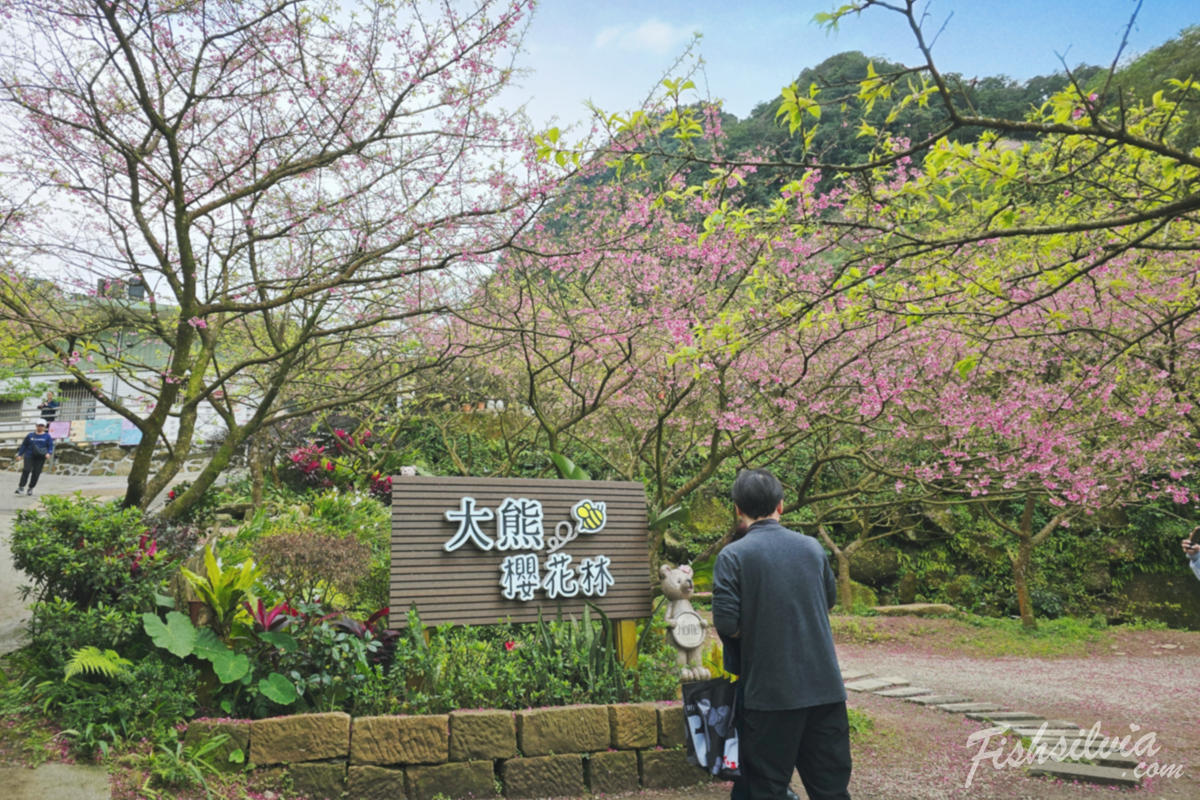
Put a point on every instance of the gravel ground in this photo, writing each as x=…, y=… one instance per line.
x=1137, y=685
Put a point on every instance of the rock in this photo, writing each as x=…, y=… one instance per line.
x=303, y=737
x=319, y=781
x=874, y=564
x=1087, y=773
x=612, y=772
x=488, y=733
x=871, y=684
x=375, y=783
x=632, y=725
x=937, y=699
x=664, y=769
x=238, y=731
x=915, y=610
x=672, y=729
x=456, y=779
x=570, y=729
x=543, y=776
x=423, y=739
x=962, y=708
x=904, y=691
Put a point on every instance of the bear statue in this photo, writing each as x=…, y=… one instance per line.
x=685, y=624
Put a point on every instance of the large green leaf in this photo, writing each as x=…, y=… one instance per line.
x=178, y=635
x=230, y=666
x=278, y=689
x=568, y=469
x=209, y=645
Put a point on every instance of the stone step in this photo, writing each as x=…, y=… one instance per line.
x=871, y=684
x=938, y=699
x=1086, y=773
x=854, y=675
x=1005, y=717
x=962, y=708
x=903, y=691
x=897, y=680
x=1046, y=734
x=1119, y=761
x=1061, y=724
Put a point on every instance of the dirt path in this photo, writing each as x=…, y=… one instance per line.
x=1131, y=683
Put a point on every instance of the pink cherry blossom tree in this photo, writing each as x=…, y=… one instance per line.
x=297, y=187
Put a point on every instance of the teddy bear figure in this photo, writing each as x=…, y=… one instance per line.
x=687, y=627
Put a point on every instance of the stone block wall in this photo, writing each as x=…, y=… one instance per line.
x=92, y=459
x=542, y=752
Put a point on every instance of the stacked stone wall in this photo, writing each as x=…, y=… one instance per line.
x=92, y=459
x=543, y=752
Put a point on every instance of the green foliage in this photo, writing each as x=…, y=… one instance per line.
x=174, y=766
x=552, y=662
x=146, y=701
x=307, y=566
x=177, y=636
x=861, y=724
x=223, y=589
x=568, y=469
x=331, y=514
x=86, y=552
x=713, y=659
x=233, y=667
x=328, y=666
x=92, y=660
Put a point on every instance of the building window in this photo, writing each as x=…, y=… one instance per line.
x=75, y=402
x=10, y=410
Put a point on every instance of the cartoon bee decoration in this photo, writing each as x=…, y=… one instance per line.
x=590, y=516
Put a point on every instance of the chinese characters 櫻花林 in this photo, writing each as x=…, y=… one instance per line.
x=520, y=525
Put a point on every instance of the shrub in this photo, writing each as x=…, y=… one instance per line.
x=145, y=701
x=555, y=662
x=306, y=566
x=87, y=552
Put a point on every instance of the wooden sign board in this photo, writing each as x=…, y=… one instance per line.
x=477, y=551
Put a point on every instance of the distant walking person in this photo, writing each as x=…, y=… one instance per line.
x=36, y=447
x=772, y=591
x=49, y=407
x=1191, y=549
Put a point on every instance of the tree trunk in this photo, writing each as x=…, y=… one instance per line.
x=257, y=478
x=1021, y=563
x=205, y=479
x=844, y=588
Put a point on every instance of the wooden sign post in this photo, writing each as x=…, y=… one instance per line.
x=476, y=551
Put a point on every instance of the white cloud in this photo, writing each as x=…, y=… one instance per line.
x=653, y=35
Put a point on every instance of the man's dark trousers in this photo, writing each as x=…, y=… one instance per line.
x=814, y=740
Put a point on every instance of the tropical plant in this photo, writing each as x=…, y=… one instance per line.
x=223, y=589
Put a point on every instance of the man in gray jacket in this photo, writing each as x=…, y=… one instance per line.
x=772, y=590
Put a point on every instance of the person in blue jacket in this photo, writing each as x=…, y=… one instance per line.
x=36, y=447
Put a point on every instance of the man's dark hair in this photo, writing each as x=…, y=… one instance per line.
x=756, y=492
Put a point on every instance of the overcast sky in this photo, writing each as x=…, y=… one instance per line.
x=613, y=51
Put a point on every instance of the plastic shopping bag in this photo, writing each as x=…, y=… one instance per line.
x=709, y=710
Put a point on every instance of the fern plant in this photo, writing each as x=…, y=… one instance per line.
x=92, y=660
